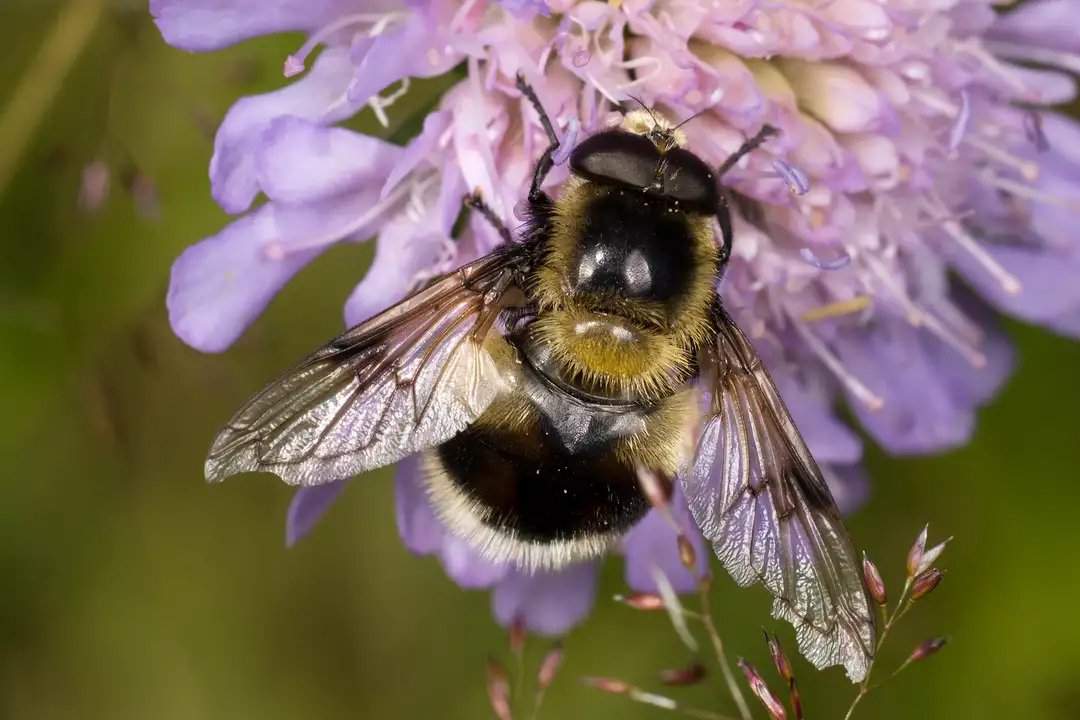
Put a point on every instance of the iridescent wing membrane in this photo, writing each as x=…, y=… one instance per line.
x=409, y=378
x=760, y=499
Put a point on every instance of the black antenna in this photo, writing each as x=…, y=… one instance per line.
x=646, y=108
x=697, y=114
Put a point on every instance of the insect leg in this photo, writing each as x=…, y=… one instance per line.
x=543, y=166
x=474, y=201
x=723, y=217
x=748, y=146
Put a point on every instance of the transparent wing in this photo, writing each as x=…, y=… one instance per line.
x=409, y=378
x=759, y=497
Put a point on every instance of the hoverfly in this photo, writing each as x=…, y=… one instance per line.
x=538, y=381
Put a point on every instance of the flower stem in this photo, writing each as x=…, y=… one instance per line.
x=39, y=85
x=718, y=647
x=903, y=604
x=702, y=714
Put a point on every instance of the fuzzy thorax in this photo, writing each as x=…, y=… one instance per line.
x=607, y=355
x=622, y=346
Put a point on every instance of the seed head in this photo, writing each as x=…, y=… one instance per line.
x=926, y=649
x=925, y=582
x=760, y=688
x=608, y=685
x=874, y=584
x=689, y=675
x=930, y=556
x=517, y=635
x=498, y=687
x=780, y=660
x=549, y=667
x=915, y=554
x=641, y=601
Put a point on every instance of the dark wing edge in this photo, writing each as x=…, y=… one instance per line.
x=409, y=378
x=761, y=500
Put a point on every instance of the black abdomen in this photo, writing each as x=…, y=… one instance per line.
x=542, y=468
x=536, y=489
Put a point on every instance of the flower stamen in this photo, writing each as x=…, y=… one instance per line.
x=994, y=64
x=1008, y=281
x=380, y=103
x=1026, y=191
x=956, y=134
x=840, y=308
x=296, y=62
x=277, y=250
x=918, y=317
x=1029, y=170
x=853, y=384
x=1037, y=54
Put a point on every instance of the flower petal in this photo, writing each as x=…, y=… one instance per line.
x=316, y=96
x=465, y=566
x=408, y=250
x=300, y=161
x=424, y=534
x=402, y=252
x=652, y=544
x=420, y=48
x=549, y=603
x=810, y=404
x=419, y=149
x=220, y=285
x=849, y=485
x=1047, y=23
x=836, y=94
x=308, y=506
x=200, y=25
x=420, y=530
x=319, y=223
x=928, y=406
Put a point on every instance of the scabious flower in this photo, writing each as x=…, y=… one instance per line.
x=917, y=186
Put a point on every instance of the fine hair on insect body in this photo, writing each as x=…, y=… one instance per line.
x=539, y=381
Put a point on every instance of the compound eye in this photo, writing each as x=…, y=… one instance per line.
x=615, y=156
x=689, y=180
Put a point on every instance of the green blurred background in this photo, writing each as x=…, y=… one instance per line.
x=131, y=589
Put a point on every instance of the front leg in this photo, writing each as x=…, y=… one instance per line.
x=476, y=202
x=543, y=166
x=748, y=146
x=727, y=235
x=723, y=214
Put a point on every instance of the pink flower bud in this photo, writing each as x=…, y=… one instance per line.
x=929, y=557
x=689, y=675
x=780, y=660
x=915, y=554
x=518, y=633
x=549, y=667
x=642, y=601
x=498, y=688
x=925, y=582
x=94, y=186
x=608, y=685
x=784, y=669
x=874, y=584
x=926, y=649
x=760, y=688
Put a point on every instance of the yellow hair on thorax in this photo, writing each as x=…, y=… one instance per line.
x=654, y=354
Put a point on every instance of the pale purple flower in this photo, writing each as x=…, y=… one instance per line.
x=917, y=187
